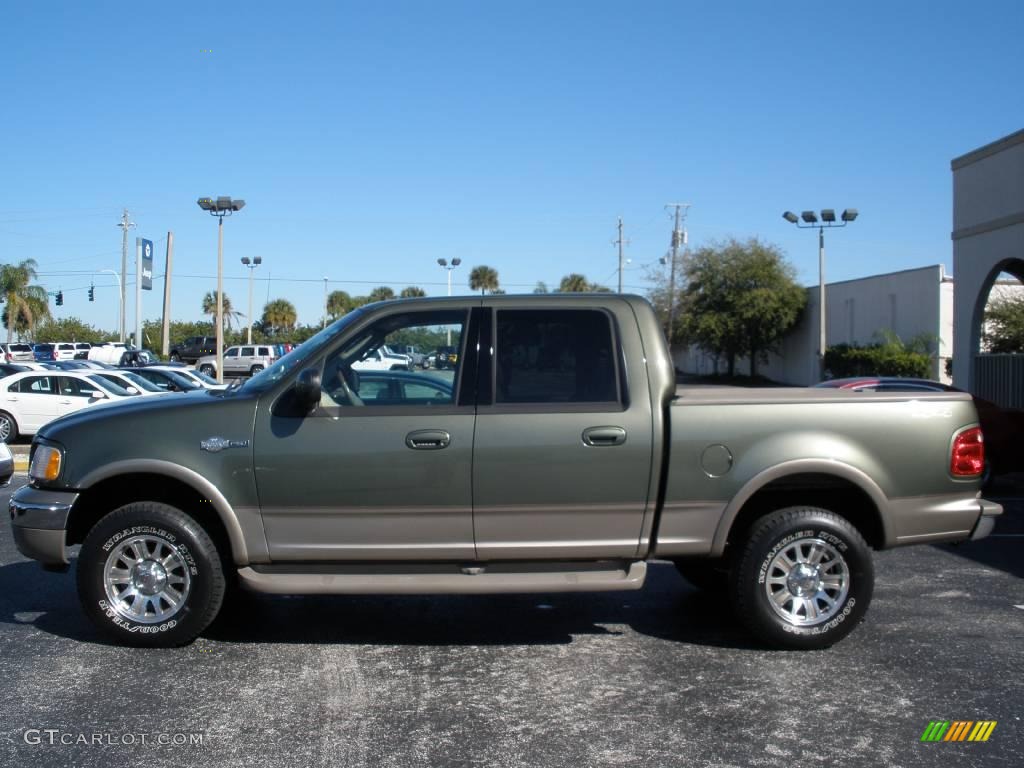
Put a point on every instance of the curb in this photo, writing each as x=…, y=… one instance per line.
x=21, y=463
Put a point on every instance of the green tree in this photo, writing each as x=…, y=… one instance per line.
x=412, y=292
x=739, y=299
x=279, y=317
x=381, y=293
x=483, y=279
x=210, y=308
x=338, y=303
x=26, y=304
x=1003, y=330
x=541, y=287
x=69, y=329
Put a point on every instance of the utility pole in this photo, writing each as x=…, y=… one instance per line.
x=165, y=331
x=620, y=242
x=125, y=224
x=678, y=238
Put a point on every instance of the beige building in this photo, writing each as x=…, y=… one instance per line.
x=988, y=239
x=911, y=303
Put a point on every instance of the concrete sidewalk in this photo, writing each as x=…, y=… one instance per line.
x=20, y=453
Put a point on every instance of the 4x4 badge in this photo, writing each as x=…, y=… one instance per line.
x=215, y=444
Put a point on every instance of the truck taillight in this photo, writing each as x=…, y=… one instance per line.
x=967, y=458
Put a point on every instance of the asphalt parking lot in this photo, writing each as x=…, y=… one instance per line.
x=660, y=677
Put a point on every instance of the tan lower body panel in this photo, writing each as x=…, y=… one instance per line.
x=466, y=580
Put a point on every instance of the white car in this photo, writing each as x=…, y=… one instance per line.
x=131, y=382
x=378, y=360
x=31, y=399
x=65, y=350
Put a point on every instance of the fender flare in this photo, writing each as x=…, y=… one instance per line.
x=191, y=478
x=801, y=467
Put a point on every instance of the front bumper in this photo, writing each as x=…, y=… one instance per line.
x=39, y=521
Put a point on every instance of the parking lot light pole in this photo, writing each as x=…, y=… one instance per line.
x=445, y=265
x=828, y=219
x=220, y=207
x=251, y=264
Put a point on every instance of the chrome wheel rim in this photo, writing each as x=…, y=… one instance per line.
x=146, y=579
x=5, y=428
x=807, y=582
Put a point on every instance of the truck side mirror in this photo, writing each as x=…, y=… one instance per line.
x=307, y=387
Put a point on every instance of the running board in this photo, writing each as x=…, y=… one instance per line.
x=474, y=579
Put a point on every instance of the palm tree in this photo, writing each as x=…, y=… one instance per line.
x=483, y=279
x=25, y=303
x=574, y=283
x=413, y=292
x=210, y=308
x=381, y=293
x=279, y=315
x=577, y=283
x=339, y=303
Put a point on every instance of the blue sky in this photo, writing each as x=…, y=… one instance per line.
x=370, y=139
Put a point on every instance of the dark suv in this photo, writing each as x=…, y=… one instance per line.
x=194, y=347
x=446, y=357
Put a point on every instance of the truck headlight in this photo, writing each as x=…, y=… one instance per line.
x=46, y=463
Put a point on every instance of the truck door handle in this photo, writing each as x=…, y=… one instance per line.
x=600, y=437
x=428, y=439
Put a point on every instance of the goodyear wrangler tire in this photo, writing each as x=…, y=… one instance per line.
x=148, y=574
x=804, y=579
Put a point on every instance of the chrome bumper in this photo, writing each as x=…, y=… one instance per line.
x=987, y=521
x=39, y=522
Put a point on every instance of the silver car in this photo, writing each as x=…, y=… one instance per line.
x=241, y=360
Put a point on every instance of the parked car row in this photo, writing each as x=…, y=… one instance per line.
x=33, y=394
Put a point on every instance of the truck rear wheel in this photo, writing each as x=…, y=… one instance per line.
x=148, y=574
x=804, y=579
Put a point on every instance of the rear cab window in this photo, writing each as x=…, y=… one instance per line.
x=556, y=356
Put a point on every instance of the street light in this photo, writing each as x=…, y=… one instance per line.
x=828, y=219
x=251, y=264
x=443, y=263
x=220, y=207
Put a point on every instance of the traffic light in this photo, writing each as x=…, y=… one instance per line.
x=92, y=293
x=60, y=298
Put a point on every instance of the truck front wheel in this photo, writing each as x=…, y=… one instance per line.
x=804, y=579
x=148, y=574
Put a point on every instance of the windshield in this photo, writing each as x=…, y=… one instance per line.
x=295, y=359
x=202, y=377
x=110, y=387
x=137, y=381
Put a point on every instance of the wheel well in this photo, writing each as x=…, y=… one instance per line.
x=835, y=494
x=107, y=495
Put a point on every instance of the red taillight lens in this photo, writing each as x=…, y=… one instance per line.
x=968, y=455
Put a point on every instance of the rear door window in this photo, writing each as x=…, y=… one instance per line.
x=555, y=356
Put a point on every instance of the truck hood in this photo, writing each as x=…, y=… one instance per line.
x=170, y=429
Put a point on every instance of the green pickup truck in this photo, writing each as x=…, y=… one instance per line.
x=557, y=455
